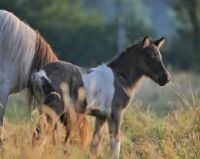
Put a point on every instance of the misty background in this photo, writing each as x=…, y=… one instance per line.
x=90, y=32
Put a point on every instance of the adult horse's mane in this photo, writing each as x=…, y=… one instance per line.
x=43, y=53
x=23, y=46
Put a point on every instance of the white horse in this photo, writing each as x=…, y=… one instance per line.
x=22, y=50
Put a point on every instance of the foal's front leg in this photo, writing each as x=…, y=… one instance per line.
x=114, y=124
x=99, y=123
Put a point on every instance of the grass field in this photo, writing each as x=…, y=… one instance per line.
x=161, y=123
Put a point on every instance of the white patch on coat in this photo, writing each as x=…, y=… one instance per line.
x=115, y=145
x=37, y=84
x=39, y=75
x=99, y=87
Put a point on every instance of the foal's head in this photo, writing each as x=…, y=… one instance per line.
x=150, y=61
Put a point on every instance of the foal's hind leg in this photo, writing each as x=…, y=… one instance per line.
x=114, y=124
x=99, y=123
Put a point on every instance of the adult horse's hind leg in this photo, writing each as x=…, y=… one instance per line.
x=99, y=123
x=114, y=124
x=4, y=93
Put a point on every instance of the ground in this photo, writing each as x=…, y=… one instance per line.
x=162, y=123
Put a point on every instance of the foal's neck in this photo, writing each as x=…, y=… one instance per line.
x=126, y=69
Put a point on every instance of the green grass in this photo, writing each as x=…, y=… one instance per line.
x=17, y=109
x=162, y=100
x=160, y=123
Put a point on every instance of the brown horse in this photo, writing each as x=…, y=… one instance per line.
x=108, y=87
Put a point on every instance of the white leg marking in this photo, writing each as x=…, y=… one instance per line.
x=115, y=146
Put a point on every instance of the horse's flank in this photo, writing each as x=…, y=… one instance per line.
x=17, y=42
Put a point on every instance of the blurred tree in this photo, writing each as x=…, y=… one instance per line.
x=81, y=38
x=78, y=34
x=185, y=46
x=137, y=21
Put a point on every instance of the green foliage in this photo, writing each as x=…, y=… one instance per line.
x=78, y=35
x=137, y=21
x=184, y=52
x=66, y=25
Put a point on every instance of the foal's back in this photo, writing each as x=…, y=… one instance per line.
x=62, y=72
x=51, y=76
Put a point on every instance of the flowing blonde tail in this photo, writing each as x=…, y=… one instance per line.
x=84, y=130
x=78, y=130
x=76, y=124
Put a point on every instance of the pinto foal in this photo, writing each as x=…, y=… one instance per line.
x=108, y=87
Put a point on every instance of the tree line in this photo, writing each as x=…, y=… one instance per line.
x=85, y=37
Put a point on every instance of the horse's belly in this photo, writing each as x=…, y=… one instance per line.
x=99, y=100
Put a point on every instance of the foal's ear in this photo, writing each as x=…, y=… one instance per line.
x=146, y=42
x=159, y=42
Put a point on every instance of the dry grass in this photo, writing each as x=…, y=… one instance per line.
x=145, y=133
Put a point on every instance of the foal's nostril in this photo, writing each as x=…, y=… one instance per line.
x=164, y=78
x=167, y=76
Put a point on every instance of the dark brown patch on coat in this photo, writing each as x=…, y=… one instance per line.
x=64, y=72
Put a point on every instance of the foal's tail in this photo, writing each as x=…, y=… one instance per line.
x=78, y=131
x=38, y=85
x=83, y=130
x=40, y=82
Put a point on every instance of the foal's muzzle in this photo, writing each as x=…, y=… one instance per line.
x=164, y=78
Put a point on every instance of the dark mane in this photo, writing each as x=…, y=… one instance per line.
x=120, y=55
